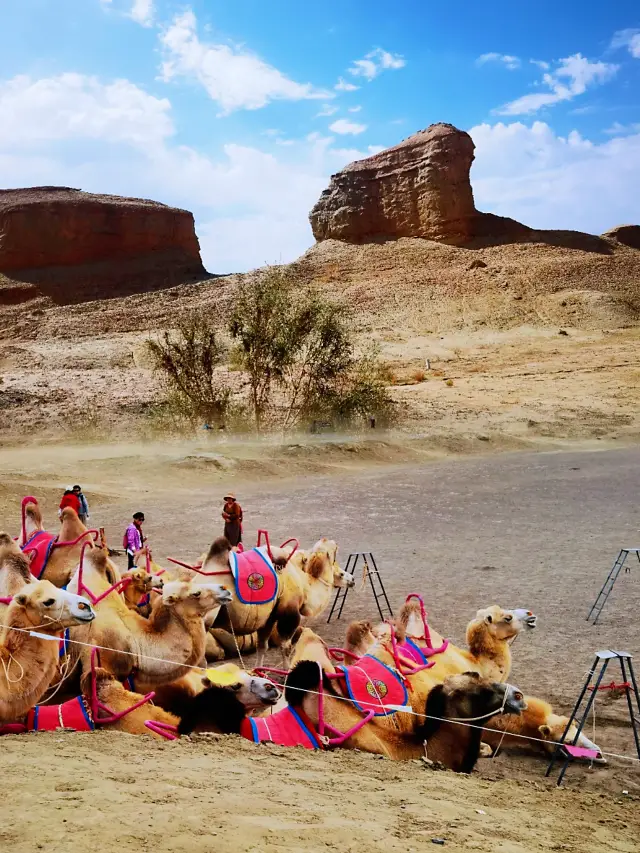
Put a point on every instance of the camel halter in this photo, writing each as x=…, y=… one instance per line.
x=429, y=651
x=118, y=586
x=98, y=707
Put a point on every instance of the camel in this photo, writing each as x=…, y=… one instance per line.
x=301, y=722
x=57, y=556
x=137, y=591
x=14, y=567
x=540, y=727
x=306, y=581
x=161, y=648
x=254, y=692
x=29, y=661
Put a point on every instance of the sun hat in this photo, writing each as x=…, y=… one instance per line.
x=229, y=496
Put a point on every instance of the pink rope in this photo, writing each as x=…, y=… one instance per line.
x=404, y=665
x=163, y=729
x=97, y=706
x=429, y=651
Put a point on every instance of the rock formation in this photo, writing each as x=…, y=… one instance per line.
x=628, y=235
x=419, y=188
x=54, y=232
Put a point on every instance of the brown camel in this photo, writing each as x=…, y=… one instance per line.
x=14, y=567
x=29, y=661
x=160, y=648
x=137, y=592
x=62, y=559
x=462, y=697
x=539, y=727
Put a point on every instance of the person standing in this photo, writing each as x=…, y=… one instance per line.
x=134, y=539
x=232, y=514
x=83, y=515
x=69, y=499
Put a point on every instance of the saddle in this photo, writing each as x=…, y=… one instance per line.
x=39, y=546
x=373, y=686
x=288, y=727
x=255, y=577
x=70, y=715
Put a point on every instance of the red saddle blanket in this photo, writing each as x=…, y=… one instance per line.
x=255, y=578
x=69, y=715
x=38, y=548
x=287, y=727
x=372, y=686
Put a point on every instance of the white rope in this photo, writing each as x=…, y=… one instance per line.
x=404, y=709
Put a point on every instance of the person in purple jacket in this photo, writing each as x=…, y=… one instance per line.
x=133, y=541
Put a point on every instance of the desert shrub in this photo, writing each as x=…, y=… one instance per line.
x=187, y=360
x=297, y=350
x=418, y=375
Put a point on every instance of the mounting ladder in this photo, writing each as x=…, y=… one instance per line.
x=629, y=686
x=369, y=570
x=605, y=592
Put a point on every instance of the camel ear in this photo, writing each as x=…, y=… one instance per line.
x=475, y=675
x=21, y=599
x=545, y=730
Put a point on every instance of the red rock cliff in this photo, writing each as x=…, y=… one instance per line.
x=59, y=229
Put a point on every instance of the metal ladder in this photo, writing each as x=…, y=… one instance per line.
x=370, y=571
x=630, y=687
x=605, y=592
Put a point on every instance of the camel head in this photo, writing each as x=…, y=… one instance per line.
x=13, y=563
x=468, y=695
x=253, y=692
x=142, y=581
x=195, y=599
x=50, y=609
x=501, y=624
x=322, y=559
x=552, y=730
x=360, y=637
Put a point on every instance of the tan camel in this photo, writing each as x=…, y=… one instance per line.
x=160, y=648
x=29, y=661
x=137, y=592
x=306, y=582
x=63, y=558
x=539, y=727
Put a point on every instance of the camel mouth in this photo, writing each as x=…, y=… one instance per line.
x=526, y=617
x=85, y=616
x=224, y=597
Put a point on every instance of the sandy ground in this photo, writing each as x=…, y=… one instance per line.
x=525, y=530
x=119, y=793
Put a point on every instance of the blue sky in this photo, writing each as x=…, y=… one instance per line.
x=240, y=111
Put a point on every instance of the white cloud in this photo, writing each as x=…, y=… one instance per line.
x=73, y=106
x=572, y=77
x=618, y=129
x=550, y=181
x=142, y=12
x=232, y=76
x=630, y=39
x=374, y=62
x=344, y=86
x=354, y=109
x=541, y=64
x=510, y=62
x=327, y=110
x=344, y=126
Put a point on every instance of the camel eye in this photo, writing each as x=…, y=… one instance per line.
x=49, y=602
x=518, y=696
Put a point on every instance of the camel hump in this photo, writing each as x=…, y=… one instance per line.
x=220, y=547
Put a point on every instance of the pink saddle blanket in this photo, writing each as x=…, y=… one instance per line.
x=255, y=578
x=373, y=686
x=287, y=727
x=38, y=548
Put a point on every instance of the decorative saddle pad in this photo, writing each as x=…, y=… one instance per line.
x=69, y=715
x=287, y=727
x=254, y=575
x=371, y=685
x=40, y=546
